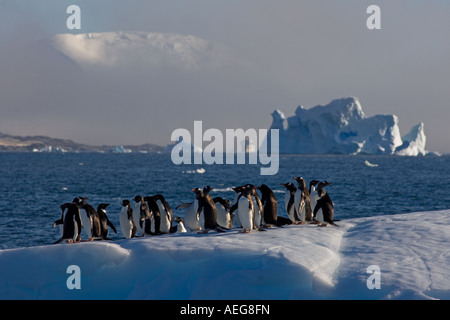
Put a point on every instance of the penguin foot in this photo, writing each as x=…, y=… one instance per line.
x=245, y=230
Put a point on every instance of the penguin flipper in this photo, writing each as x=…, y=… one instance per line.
x=109, y=223
x=184, y=205
x=57, y=222
x=233, y=208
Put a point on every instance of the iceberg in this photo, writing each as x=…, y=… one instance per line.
x=413, y=142
x=341, y=127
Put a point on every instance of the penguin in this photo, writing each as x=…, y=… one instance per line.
x=166, y=215
x=207, y=210
x=140, y=213
x=224, y=216
x=179, y=228
x=257, y=207
x=313, y=195
x=60, y=221
x=104, y=221
x=289, y=201
x=93, y=218
x=152, y=224
x=126, y=220
x=318, y=214
x=71, y=223
x=86, y=219
x=246, y=210
x=234, y=207
x=270, y=205
x=191, y=215
x=302, y=201
x=326, y=205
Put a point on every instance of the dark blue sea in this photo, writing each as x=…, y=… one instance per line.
x=33, y=185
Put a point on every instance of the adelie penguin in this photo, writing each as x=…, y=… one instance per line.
x=104, y=221
x=71, y=223
x=92, y=226
x=140, y=213
x=166, y=215
x=191, y=215
x=207, y=211
x=257, y=207
x=224, y=216
x=126, y=220
x=302, y=201
x=324, y=210
x=246, y=210
x=313, y=195
x=270, y=206
x=289, y=201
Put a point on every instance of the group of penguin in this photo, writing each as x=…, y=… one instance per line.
x=152, y=215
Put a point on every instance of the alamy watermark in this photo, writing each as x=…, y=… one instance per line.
x=238, y=144
x=74, y=280
x=374, y=280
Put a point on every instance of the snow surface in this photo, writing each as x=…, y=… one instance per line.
x=293, y=262
x=342, y=127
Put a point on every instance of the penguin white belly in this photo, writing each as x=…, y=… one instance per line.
x=290, y=211
x=181, y=228
x=165, y=223
x=201, y=220
x=245, y=212
x=302, y=214
x=258, y=214
x=190, y=217
x=86, y=223
x=126, y=225
x=313, y=199
x=137, y=218
x=223, y=216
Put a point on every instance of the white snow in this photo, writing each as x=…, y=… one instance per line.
x=293, y=262
x=414, y=142
x=342, y=127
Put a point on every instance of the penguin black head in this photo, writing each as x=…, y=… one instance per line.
x=138, y=198
x=238, y=189
x=207, y=189
x=289, y=186
x=125, y=202
x=314, y=183
x=198, y=192
x=178, y=219
x=103, y=205
x=323, y=184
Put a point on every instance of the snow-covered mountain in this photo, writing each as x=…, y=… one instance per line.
x=342, y=127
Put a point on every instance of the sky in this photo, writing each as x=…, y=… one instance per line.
x=280, y=54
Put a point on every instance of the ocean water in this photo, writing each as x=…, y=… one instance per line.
x=33, y=185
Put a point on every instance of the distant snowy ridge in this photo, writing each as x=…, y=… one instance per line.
x=341, y=127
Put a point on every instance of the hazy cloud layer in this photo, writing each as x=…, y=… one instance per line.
x=254, y=56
